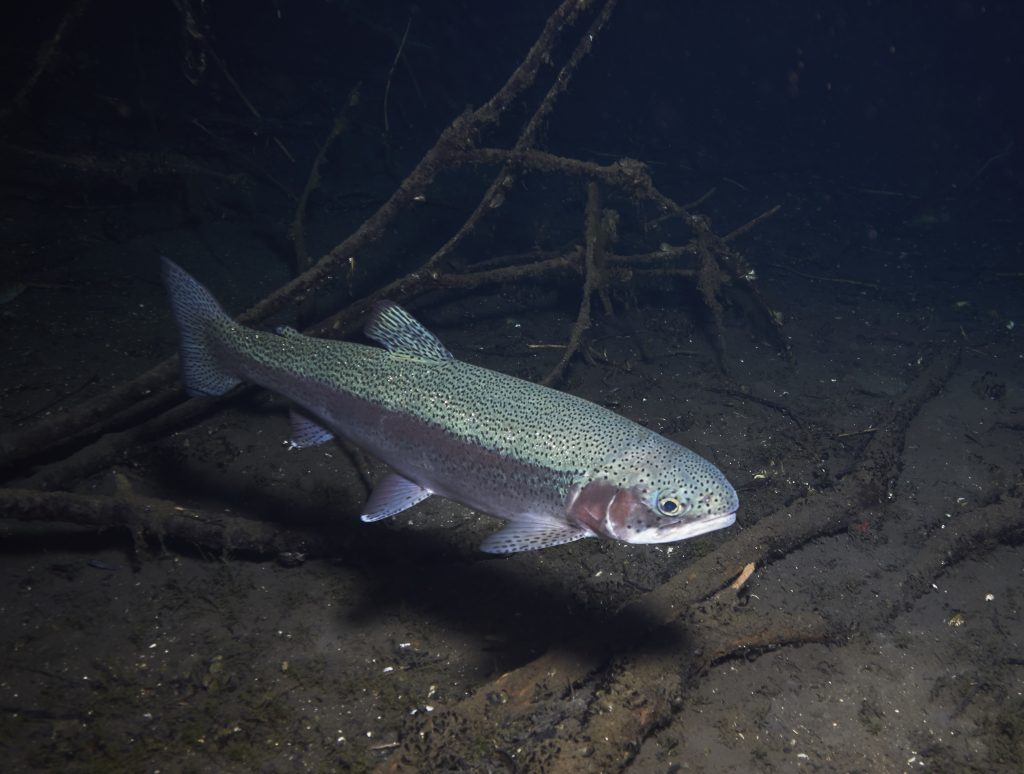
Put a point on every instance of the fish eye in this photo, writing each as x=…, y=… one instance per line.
x=670, y=506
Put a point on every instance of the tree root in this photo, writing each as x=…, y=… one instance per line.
x=967, y=536
x=152, y=519
x=723, y=632
x=127, y=169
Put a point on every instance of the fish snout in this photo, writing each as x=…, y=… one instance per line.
x=623, y=514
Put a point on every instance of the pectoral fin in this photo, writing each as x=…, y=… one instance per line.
x=529, y=533
x=393, y=494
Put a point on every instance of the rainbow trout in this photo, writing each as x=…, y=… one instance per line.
x=555, y=467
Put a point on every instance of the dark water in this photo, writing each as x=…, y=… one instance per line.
x=858, y=379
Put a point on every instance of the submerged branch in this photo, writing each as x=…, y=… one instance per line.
x=149, y=518
x=92, y=415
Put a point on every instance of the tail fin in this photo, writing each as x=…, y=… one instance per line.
x=196, y=312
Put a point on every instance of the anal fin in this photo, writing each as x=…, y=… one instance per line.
x=306, y=432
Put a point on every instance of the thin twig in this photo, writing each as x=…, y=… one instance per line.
x=391, y=72
x=592, y=279
x=297, y=231
x=738, y=232
x=819, y=278
x=47, y=53
x=241, y=95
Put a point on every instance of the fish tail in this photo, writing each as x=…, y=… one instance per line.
x=198, y=316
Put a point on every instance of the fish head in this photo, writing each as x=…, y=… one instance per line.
x=660, y=493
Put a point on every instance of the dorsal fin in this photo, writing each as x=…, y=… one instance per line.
x=399, y=332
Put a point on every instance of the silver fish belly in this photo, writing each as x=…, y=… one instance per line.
x=555, y=467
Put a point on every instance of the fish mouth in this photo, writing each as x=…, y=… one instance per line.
x=681, y=529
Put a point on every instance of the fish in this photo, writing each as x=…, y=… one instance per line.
x=554, y=467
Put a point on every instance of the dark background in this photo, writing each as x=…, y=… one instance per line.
x=910, y=96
